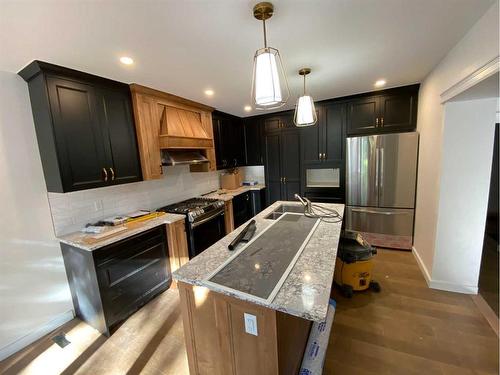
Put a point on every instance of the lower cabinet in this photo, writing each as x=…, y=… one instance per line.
x=216, y=341
x=109, y=284
x=242, y=208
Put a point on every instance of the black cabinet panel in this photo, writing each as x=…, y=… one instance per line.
x=398, y=111
x=229, y=137
x=291, y=188
x=253, y=142
x=108, y=284
x=117, y=120
x=273, y=167
x=78, y=133
x=85, y=128
x=272, y=124
x=242, y=208
x=334, y=131
x=362, y=115
x=290, y=156
x=310, y=142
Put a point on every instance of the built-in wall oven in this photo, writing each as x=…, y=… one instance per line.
x=205, y=222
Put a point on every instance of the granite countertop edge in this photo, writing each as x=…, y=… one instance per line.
x=75, y=238
x=230, y=194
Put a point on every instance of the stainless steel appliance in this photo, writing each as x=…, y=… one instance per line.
x=381, y=180
x=204, y=222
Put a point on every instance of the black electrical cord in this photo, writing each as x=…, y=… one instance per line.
x=328, y=215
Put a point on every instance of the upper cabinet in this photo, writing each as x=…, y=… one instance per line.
x=84, y=126
x=165, y=121
x=253, y=141
x=393, y=110
x=229, y=136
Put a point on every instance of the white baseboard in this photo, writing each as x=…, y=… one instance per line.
x=440, y=284
x=422, y=266
x=31, y=337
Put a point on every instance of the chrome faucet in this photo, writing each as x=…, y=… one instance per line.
x=306, y=202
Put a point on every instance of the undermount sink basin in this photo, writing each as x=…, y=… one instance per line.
x=280, y=210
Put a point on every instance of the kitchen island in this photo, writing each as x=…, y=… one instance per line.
x=249, y=311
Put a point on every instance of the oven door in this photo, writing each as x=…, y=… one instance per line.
x=206, y=232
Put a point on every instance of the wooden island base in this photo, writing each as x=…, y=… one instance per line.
x=217, y=343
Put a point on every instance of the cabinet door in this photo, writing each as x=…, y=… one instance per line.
x=273, y=167
x=119, y=140
x=253, y=142
x=311, y=138
x=362, y=115
x=333, y=131
x=148, y=130
x=237, y=142
x=78, y=134
x=242, y=209
x=398, y=112
x=221, y=162
x=272, y=124
x=290, y=161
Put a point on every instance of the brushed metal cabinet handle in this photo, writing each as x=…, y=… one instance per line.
x=105, y=174
x=112, y=174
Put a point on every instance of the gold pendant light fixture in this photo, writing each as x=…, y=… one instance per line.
x=305, y=113
x=269, y=85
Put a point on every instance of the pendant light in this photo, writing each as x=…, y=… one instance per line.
x=305, y=113
x=269, y=85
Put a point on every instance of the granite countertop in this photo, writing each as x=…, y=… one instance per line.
x=227, y=195
x=77, y=239
x=306, y=290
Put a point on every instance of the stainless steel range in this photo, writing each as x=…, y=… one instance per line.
x=204, y=222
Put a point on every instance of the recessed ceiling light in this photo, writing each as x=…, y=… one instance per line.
x=126, y=60
x=209, y=92
x=380, y=83
x=247, y=108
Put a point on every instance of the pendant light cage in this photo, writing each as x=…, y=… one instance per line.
x=305, y=112
x=269, y=83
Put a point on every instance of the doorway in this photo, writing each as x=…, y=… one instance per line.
x=489, y=273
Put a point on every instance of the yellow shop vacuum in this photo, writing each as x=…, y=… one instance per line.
x=354, y=265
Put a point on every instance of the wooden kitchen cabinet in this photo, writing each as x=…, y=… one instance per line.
x=282, y=162
x=110, y=283
x=168, y=122
x=229, y=137
x=216, y=341
x=178, y=252
x=388, y=111
x=253, y=141
x=84, y=126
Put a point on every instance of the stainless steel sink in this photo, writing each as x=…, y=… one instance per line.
x=280, y=210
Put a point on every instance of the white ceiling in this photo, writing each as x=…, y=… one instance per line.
x=185, y=47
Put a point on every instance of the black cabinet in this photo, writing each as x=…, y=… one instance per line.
x=393, y=110
x=229, y=136
x=322, y=153
x=109, y=284
x=282, y=162
x=253, y=141
x=84, y=126
x=242, y=208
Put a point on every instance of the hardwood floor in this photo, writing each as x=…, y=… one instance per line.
x=406, y=329
x=409, y=328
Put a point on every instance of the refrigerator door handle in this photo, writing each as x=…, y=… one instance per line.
x=377, y=212
x=381, y=182
x=377, y=171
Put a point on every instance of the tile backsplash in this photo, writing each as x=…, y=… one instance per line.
x=71, y=211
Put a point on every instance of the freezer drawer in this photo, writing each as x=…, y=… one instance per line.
x=391, y=228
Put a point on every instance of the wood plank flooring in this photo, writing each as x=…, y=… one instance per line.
x=409, y=328
x=406, y=329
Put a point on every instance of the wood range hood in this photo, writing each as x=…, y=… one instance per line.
x=169, y=122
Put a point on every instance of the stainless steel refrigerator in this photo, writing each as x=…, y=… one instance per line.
x=381, y=180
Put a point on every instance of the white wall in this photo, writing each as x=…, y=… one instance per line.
x=477, y=47
x=34, y=293
x=469, y=132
